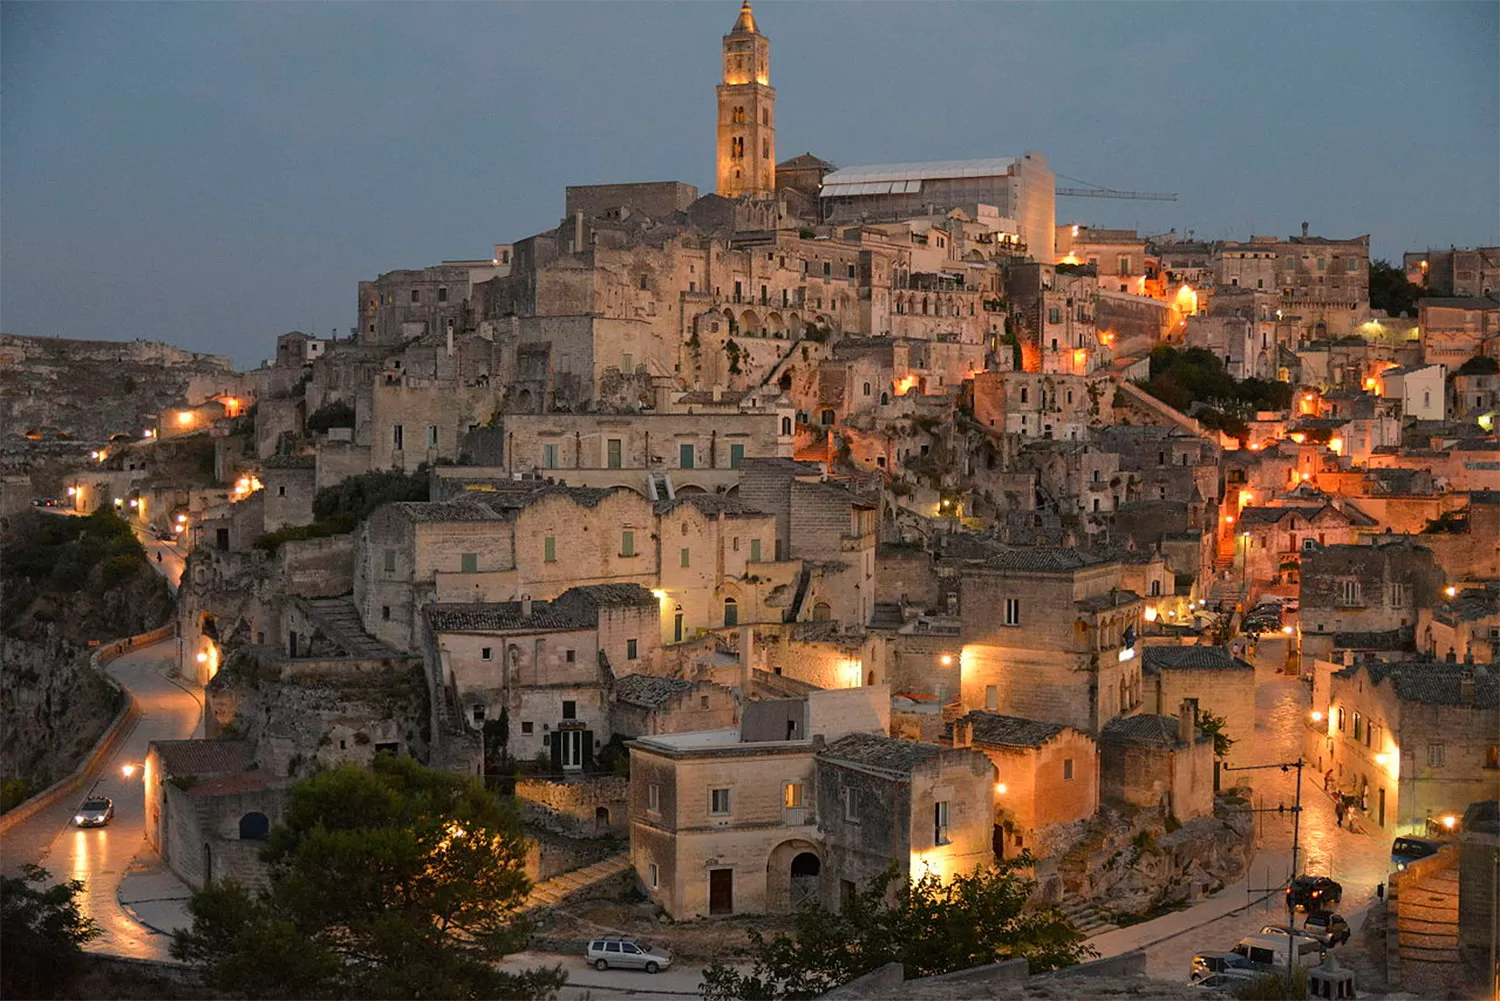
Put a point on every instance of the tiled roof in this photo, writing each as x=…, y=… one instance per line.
x=506, y=616
x=1436, y=683
x=1390, y=639
x=602, y=595
x=710, y=505
x=1047, y=559
x=204, y=758
x=1147, y=728
x=993, y=728
x=1271, y=515
x=1115, y=598
x=875, y=751
x=463, y=508
x=1198, y=658
x=649, y=692
x=727, y=397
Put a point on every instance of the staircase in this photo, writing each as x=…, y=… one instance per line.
x=1086, y=917
x=659, y=486
x=557, y=889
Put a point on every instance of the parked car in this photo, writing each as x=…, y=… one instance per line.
x=1330, y=929
x=1271, y=950
x=1295, y=932
x=1313, y=893
x=96, y=811
x=1206, y=964
x=1405, y=851
x=626, y=954
x=1229, y=982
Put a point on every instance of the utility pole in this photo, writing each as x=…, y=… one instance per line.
x=1291, y=908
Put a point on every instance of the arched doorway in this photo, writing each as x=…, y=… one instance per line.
x=601, y=820
x=731, y=613
x=822, y=612
x=793, y=876
x=255, y=827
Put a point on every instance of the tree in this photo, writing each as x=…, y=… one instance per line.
x=398, y=882
x=43, y=931
x=1214, y=727
x=1390, y=291
x=933, y=927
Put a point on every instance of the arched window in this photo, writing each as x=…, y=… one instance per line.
x=826, y=418
x=1155, y=588
x=786, y=425
x=822, y=612
x=255, y=827
x=885, y=398
x=731, y=613
x=867, y=389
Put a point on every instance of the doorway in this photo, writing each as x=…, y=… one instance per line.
x=1381, y=819
x=806, y=870
x=720, y=891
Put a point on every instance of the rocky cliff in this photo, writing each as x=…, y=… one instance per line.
x=90, y=390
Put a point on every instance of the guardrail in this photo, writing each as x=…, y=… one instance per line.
x=108, y=741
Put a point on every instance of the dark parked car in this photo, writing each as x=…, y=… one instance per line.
x=1405, y=851
x=1330, y=929
x=1313, y=893
x=1208, y=963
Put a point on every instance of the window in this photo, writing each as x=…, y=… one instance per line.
x=1359, y=730
x=1398, y=595
x=851, y=806
x=1024, y=394
x=627, y=364
x=631, y=650
x=385, y=613
x=398, y=437
x=736, y=456
x=1352, y=264
x=468, y=562
x=731, y=613
x=791, y=795
x=613, y=453
x=1341, y=711
x=1492, y=756
x=653, y=796
x=1012, y=611
x=442, y=293
x=390, y=561
x=528, y=726
x=686, y=557
x=572, y=747
x=1436, y=755
x=486, y=653
x=627, y=543
x=718, y=802
x=549, y=549
x=569, y=707
x=991, y=697
x=1067, y=769
x=1348, y=592
x=940, y=822
x=281, y=491
x=652, y=873
x=478, y=714
x=685, y=456
x=754, y=550
x=549, y=456
x=416, y=295
x=1155, y=588
x=827, y=269
x=570, y=657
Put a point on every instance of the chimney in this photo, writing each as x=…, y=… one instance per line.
x=525, y=606
x=1466, y=687
x=963, y=733
x=1187, y=722
x=1304, y=230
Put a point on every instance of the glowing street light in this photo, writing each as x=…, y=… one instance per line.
x=128, y=771
x=1450, y=821
x=1317, y=717
x=946, y=660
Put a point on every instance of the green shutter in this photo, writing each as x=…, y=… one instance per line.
x=549, y=549
x=627, y=543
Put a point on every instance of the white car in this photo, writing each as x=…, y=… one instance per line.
x=626, y=954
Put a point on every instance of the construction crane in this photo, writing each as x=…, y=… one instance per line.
x=1095, y=191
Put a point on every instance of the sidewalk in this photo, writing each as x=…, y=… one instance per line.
x=1266, y=871
x=154, y=896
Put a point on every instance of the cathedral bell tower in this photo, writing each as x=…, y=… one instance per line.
x=747, y=113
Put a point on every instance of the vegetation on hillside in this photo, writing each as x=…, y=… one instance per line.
x=933, y=927
x=1391, y=292
x=394, y=882
x=339, y=509
x=335, y=414
x=1195, y=382
x=43, y=931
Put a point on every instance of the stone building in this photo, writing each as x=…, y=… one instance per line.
x=1049, y=635
x=1048, y=775
x=725, y=821
x=1271, y=542
x=1152, y=762
x=290, y=486
x=1376, y=588
x=1465, y=623
x=1453, y=330
x=1219, y=682
x=1118, y=256
x=1456, y=271
x=1421, y=390
x=1411, y=742
x=546, y=665
x=1041, y=406
x=642, y=705
x=880, y=800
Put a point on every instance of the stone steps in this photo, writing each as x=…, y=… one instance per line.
x=559, y=888
x=1084, y=916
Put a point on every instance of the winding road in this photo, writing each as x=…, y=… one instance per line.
x=100, y=857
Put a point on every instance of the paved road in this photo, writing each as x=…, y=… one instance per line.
x=586, y=982
x=172, y=559
x=101, y=856
x=1358, y=861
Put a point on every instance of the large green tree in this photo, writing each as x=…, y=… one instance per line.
x=42, y=933
x=1391, y=292
x=398, y=882
x=933, y=927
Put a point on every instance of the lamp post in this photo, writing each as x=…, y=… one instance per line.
x=1291, y=908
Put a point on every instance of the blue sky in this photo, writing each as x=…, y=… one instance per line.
x=213, y=175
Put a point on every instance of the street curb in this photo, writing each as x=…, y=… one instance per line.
x=1227, y=914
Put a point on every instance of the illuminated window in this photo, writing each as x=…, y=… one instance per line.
x=792, y=795
x=940, y=822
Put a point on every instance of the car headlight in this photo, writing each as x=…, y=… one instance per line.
x=78, y=819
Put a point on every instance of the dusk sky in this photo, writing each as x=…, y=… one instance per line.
x=212, y=175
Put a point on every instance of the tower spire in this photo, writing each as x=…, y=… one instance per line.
x=745, y=23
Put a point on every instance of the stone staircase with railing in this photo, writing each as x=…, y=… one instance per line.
x=1086, y=917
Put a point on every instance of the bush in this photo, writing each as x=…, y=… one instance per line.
x=358, y=496
x=13, y=792
x=337, y=414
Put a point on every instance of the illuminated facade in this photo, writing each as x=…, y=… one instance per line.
x=747, y=110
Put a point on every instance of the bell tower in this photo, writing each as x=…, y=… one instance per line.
x=747, y=113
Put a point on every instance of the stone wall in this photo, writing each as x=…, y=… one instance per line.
x=572, y=808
